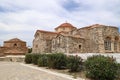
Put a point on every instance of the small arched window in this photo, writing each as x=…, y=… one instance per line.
x=107, y=43
x=79, y=46
x=15, y=45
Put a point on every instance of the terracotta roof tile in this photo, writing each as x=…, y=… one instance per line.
x=91, y=26
x=65, y=25
x=14, y=40
x=47, y=32
x=95, y=26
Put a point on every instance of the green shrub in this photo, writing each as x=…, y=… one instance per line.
x=101, y=68
x=35, y=58
x=28, y=58
x=74, y=63
x=43, y=60
x=29, y=50
x=118, y=72
x=57, y=60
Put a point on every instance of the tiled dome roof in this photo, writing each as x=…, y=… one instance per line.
x=65, y=25
x=14, y=40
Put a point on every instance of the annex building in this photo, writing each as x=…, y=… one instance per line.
x=67, y=38
x=13, y=46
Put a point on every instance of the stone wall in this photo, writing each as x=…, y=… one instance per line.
x=14, y=43
x=14, y=46
x=113, y=34
x=95, y=37
x=67, y=44
x=42, y=42
x=38, y=45
x=13, y=58
x=59, y=44
x=90, y=39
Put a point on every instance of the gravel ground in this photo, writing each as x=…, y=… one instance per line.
x=21, y=71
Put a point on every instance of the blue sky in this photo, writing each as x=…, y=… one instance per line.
x=21, y=18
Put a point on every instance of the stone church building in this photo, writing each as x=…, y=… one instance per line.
x=68, y=39
x=13, y=46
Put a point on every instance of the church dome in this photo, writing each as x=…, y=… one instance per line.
x=14, y=40
x=65, y=25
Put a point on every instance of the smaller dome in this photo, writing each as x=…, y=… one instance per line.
x=14, y=40
x=64, y=25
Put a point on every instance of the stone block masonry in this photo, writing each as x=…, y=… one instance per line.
x=95, y=38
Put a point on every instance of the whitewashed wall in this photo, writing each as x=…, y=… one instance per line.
x=85, y=55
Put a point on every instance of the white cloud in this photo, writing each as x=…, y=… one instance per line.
x=29, y=15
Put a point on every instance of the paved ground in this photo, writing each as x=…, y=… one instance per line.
x=19, y=71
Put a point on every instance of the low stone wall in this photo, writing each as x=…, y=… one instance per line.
x=13, y=58
x=21, y=58
x=2, y=58
x=85, y=55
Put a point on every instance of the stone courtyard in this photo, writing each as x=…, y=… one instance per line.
x=21, y=71
x=18, y=70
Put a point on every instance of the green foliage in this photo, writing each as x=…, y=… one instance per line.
x=118, y=72
x=74, y=63
x=101, y=68
x=28, y=58
x=43, y=60
x=35, y=58
x=29, y=50
x=57, y=61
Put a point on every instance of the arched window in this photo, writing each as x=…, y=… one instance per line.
x=107, y=43
x=15, y=45
x=79, y=46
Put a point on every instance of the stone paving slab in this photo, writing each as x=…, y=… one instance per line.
x=52, y=72
x=20, y=71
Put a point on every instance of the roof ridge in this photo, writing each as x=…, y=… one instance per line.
x=44, y=31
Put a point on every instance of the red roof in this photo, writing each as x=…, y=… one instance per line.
x=65, y=25
x=91, y=26
x=14, y=40
x=47, y=32
x=95, y=26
